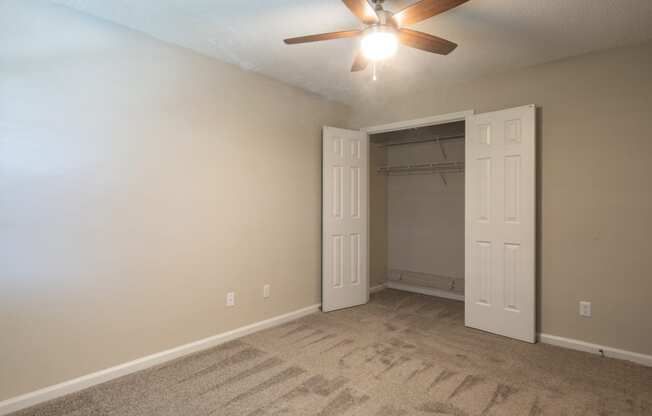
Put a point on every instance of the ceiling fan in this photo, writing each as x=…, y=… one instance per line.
x=385, y=30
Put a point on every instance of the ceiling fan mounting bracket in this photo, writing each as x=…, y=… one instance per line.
x=385, y=18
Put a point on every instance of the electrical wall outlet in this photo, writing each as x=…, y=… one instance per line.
x=266, y=291
x=585, y=309
x=230, y=299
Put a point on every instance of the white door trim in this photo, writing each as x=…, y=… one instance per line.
x=419, y=122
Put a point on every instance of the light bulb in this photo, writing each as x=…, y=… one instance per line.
x=379, y=44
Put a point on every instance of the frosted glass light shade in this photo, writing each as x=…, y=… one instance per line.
x=379, y=44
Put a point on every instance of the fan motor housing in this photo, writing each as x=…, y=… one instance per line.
x=385, y=18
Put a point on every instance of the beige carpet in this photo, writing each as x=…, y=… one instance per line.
x=402, y=354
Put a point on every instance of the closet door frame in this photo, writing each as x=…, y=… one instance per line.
x=411, y=124
x=420, y=122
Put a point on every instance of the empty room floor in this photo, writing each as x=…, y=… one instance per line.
x=401, y=354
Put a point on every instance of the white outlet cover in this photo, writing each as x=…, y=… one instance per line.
x=230, y=299
x=585, y=309
x=266, y=291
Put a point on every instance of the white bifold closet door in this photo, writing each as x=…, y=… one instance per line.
x=500, y=222
x=345, y=218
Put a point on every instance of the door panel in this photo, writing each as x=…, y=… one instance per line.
x=500, y=222
x=345, y=218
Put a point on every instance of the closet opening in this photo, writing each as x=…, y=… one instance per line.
x=416, y=210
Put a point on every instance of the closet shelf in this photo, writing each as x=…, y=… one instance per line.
x=435, y=167
x=416, y=141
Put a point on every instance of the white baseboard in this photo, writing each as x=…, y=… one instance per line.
x=610, y=352
x=71, y=386
x=425, y=290
x=377, y=288
x=569, y=343
x=77, y=384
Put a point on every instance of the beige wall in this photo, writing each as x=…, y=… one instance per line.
x=139, y=183
x=378, y=252
x=595, y=165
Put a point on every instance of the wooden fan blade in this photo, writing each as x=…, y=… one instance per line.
x=359, y=62
x=323, y=36
x=425, y=42
x=363, y=10
x=423, y=10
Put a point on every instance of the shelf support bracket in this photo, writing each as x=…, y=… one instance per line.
x=441, y=147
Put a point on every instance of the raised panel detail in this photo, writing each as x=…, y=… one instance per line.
x=483, y=270
x=338, y=191
x=356, y=261
x=337, y=256
x=355, y=149
x=513, y=132
x=484, y=134
x=501, y=222
x=512, y=188
x=355, y=192
x=338, y=147
x=511, y=261
x=345, y=226
x=484, y=188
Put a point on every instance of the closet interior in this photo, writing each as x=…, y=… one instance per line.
x=417, y=209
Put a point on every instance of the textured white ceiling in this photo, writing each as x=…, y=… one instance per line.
x=494, y=36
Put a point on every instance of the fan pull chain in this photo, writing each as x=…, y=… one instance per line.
x=375, y=78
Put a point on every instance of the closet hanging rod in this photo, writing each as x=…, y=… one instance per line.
x=433, y=139
x=437, y=167
x=424, y=172
x=451, y=163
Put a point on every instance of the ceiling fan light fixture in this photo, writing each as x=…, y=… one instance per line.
x=384, y=30
x=379, y=43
